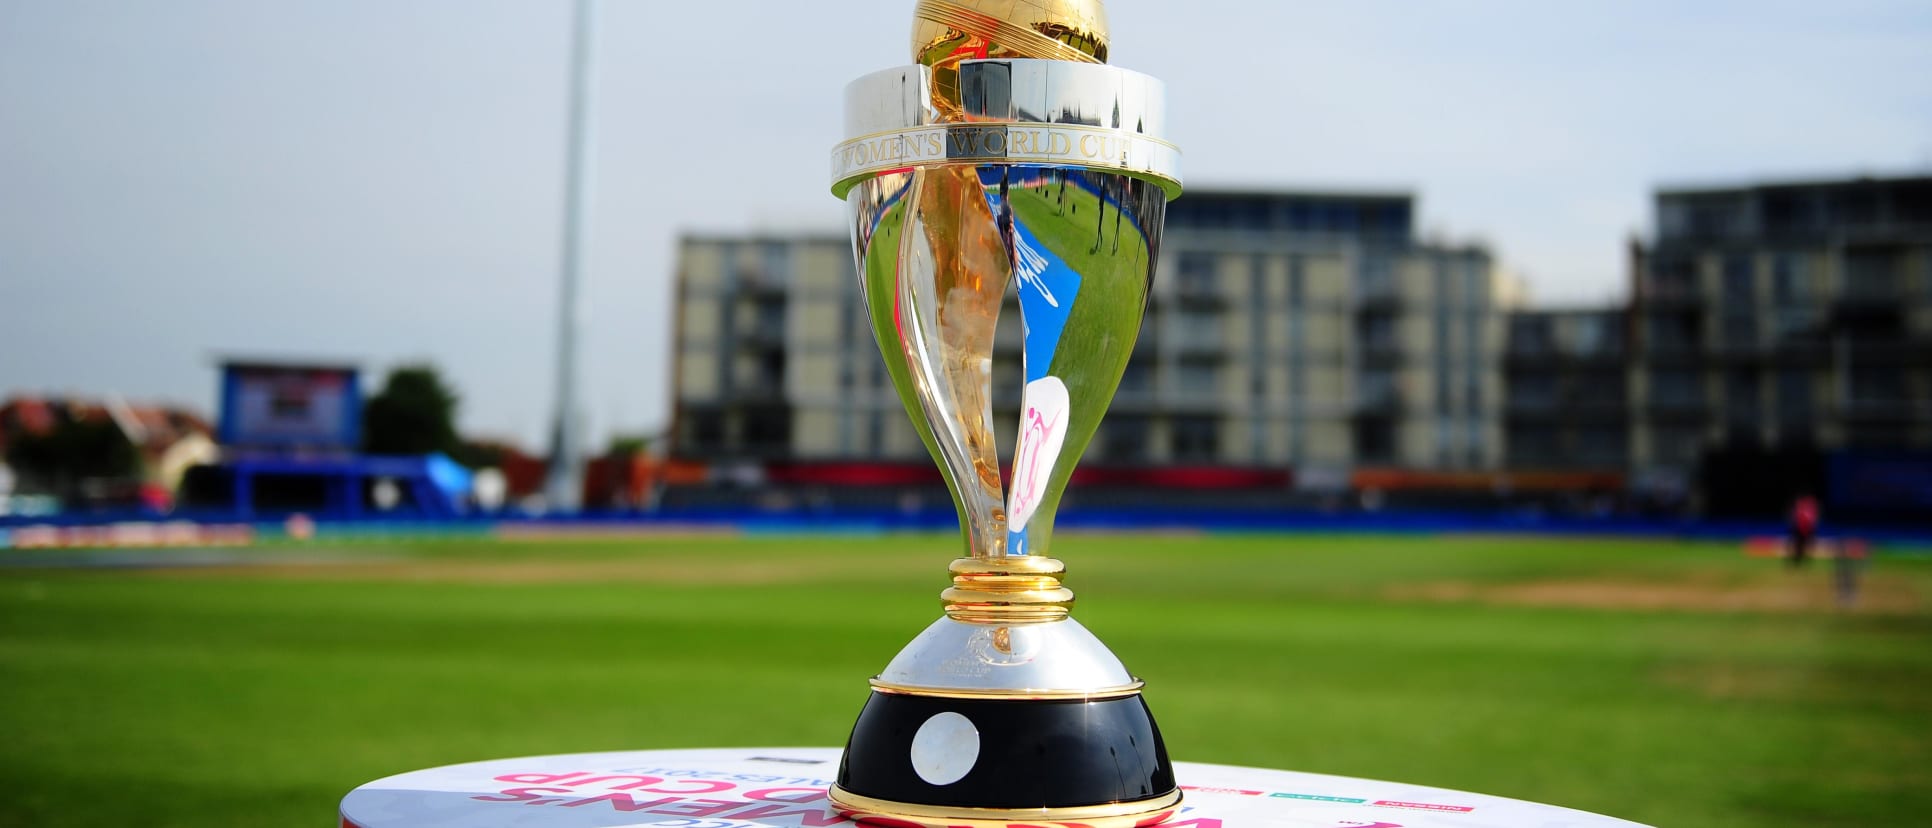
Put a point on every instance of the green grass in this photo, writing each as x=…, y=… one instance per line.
x=1681, y=685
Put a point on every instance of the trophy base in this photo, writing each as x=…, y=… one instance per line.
x=938, y=760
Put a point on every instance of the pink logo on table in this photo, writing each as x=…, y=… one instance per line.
x=1043, y=428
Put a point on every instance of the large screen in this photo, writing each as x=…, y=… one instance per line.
x=290, y=406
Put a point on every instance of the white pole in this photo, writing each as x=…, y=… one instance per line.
x=564, y=486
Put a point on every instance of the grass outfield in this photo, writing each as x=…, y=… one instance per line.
x=1680, y=685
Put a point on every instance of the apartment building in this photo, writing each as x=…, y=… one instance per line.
x=1566, y=404
x=1296, y=330
x=1782, y=316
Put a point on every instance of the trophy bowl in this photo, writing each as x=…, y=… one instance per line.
x=1009, y=158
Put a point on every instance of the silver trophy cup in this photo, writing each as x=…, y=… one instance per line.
x=965, y=180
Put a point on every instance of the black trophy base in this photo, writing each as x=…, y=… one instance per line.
x=937, y=760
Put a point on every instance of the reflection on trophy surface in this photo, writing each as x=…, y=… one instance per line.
x=1009, y=157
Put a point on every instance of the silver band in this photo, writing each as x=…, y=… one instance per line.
x=889, y=100
x=1093, y=147
x=1016, y=111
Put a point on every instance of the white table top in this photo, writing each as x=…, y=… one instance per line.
x=785, y=788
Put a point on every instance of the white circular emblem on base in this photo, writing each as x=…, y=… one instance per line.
x=945, y=748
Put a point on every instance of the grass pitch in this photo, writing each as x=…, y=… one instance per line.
x=1675, y=684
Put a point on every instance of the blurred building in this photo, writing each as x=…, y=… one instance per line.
x=1566, y=404
x=1285, y=330
x=104, y=452
x=1781, y=320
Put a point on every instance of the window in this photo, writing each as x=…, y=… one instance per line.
x=776, y=259
x=1378, y=276
x=1199, y=330
x=1374, y=441
x=1880, y=386
x=1196, y=276
x=1531, y=335
x=1196, y=439
x=1674, y=277
x=771, y=321
x=1124, y=439
x=1138, y=378
x=1671, y=332
x=704, y=431
x=1740, y=332
x=1788, y=278
x=1602, y=445
x=1738, y=285
x=1297, y=274
x=1676, y=445
x=1533, y=390
x=1793, y=326
x=1377, y=331
x=1199, y=381
x=1592, y=336
x=1741, y=396
x=1377, y=388
x=1600, y=388
x=768, y=430
x=1794, y=399
x=771, y=372
x=1478, y=293
x=1676, y=388
x=1533, y=445
x=1871, y=275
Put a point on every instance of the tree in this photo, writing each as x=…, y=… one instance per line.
x=414, y=413
x=72, y=451
x=629, y=444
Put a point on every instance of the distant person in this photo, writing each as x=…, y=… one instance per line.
x=1844, y=569
x=1804, y=529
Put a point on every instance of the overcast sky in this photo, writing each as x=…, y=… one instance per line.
x=378, y=181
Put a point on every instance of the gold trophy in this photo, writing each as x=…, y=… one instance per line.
x=1009, y=157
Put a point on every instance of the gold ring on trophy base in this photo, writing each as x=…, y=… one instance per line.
x=1141, y=812
x=1093, y=694
x=1012, y=589
x=977, y=611
x=1008, y=564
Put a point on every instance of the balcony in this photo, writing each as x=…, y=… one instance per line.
x=1380, y=354
x=1532, y=360
x=1199, y=293
x=1536, y=409
x=1670, y=295
x=1895, y=352
x=1678, y=408
x=1674, y=350
x=1868, y=300
x=1200, y=342
x=754, y=390
x=1882, y=411
x=763, y=338
x=1378, y=297
x=1377, y=402
x=755, y=284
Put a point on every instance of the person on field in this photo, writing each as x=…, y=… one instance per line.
x=1804, y=528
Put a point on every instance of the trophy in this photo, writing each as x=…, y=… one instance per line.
x=1010, y=156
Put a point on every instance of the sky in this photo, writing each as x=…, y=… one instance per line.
x=382, y=181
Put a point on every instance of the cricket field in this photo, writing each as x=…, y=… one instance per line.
x=1673, y=683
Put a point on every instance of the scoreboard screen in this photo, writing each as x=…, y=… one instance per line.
x=290, y=406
